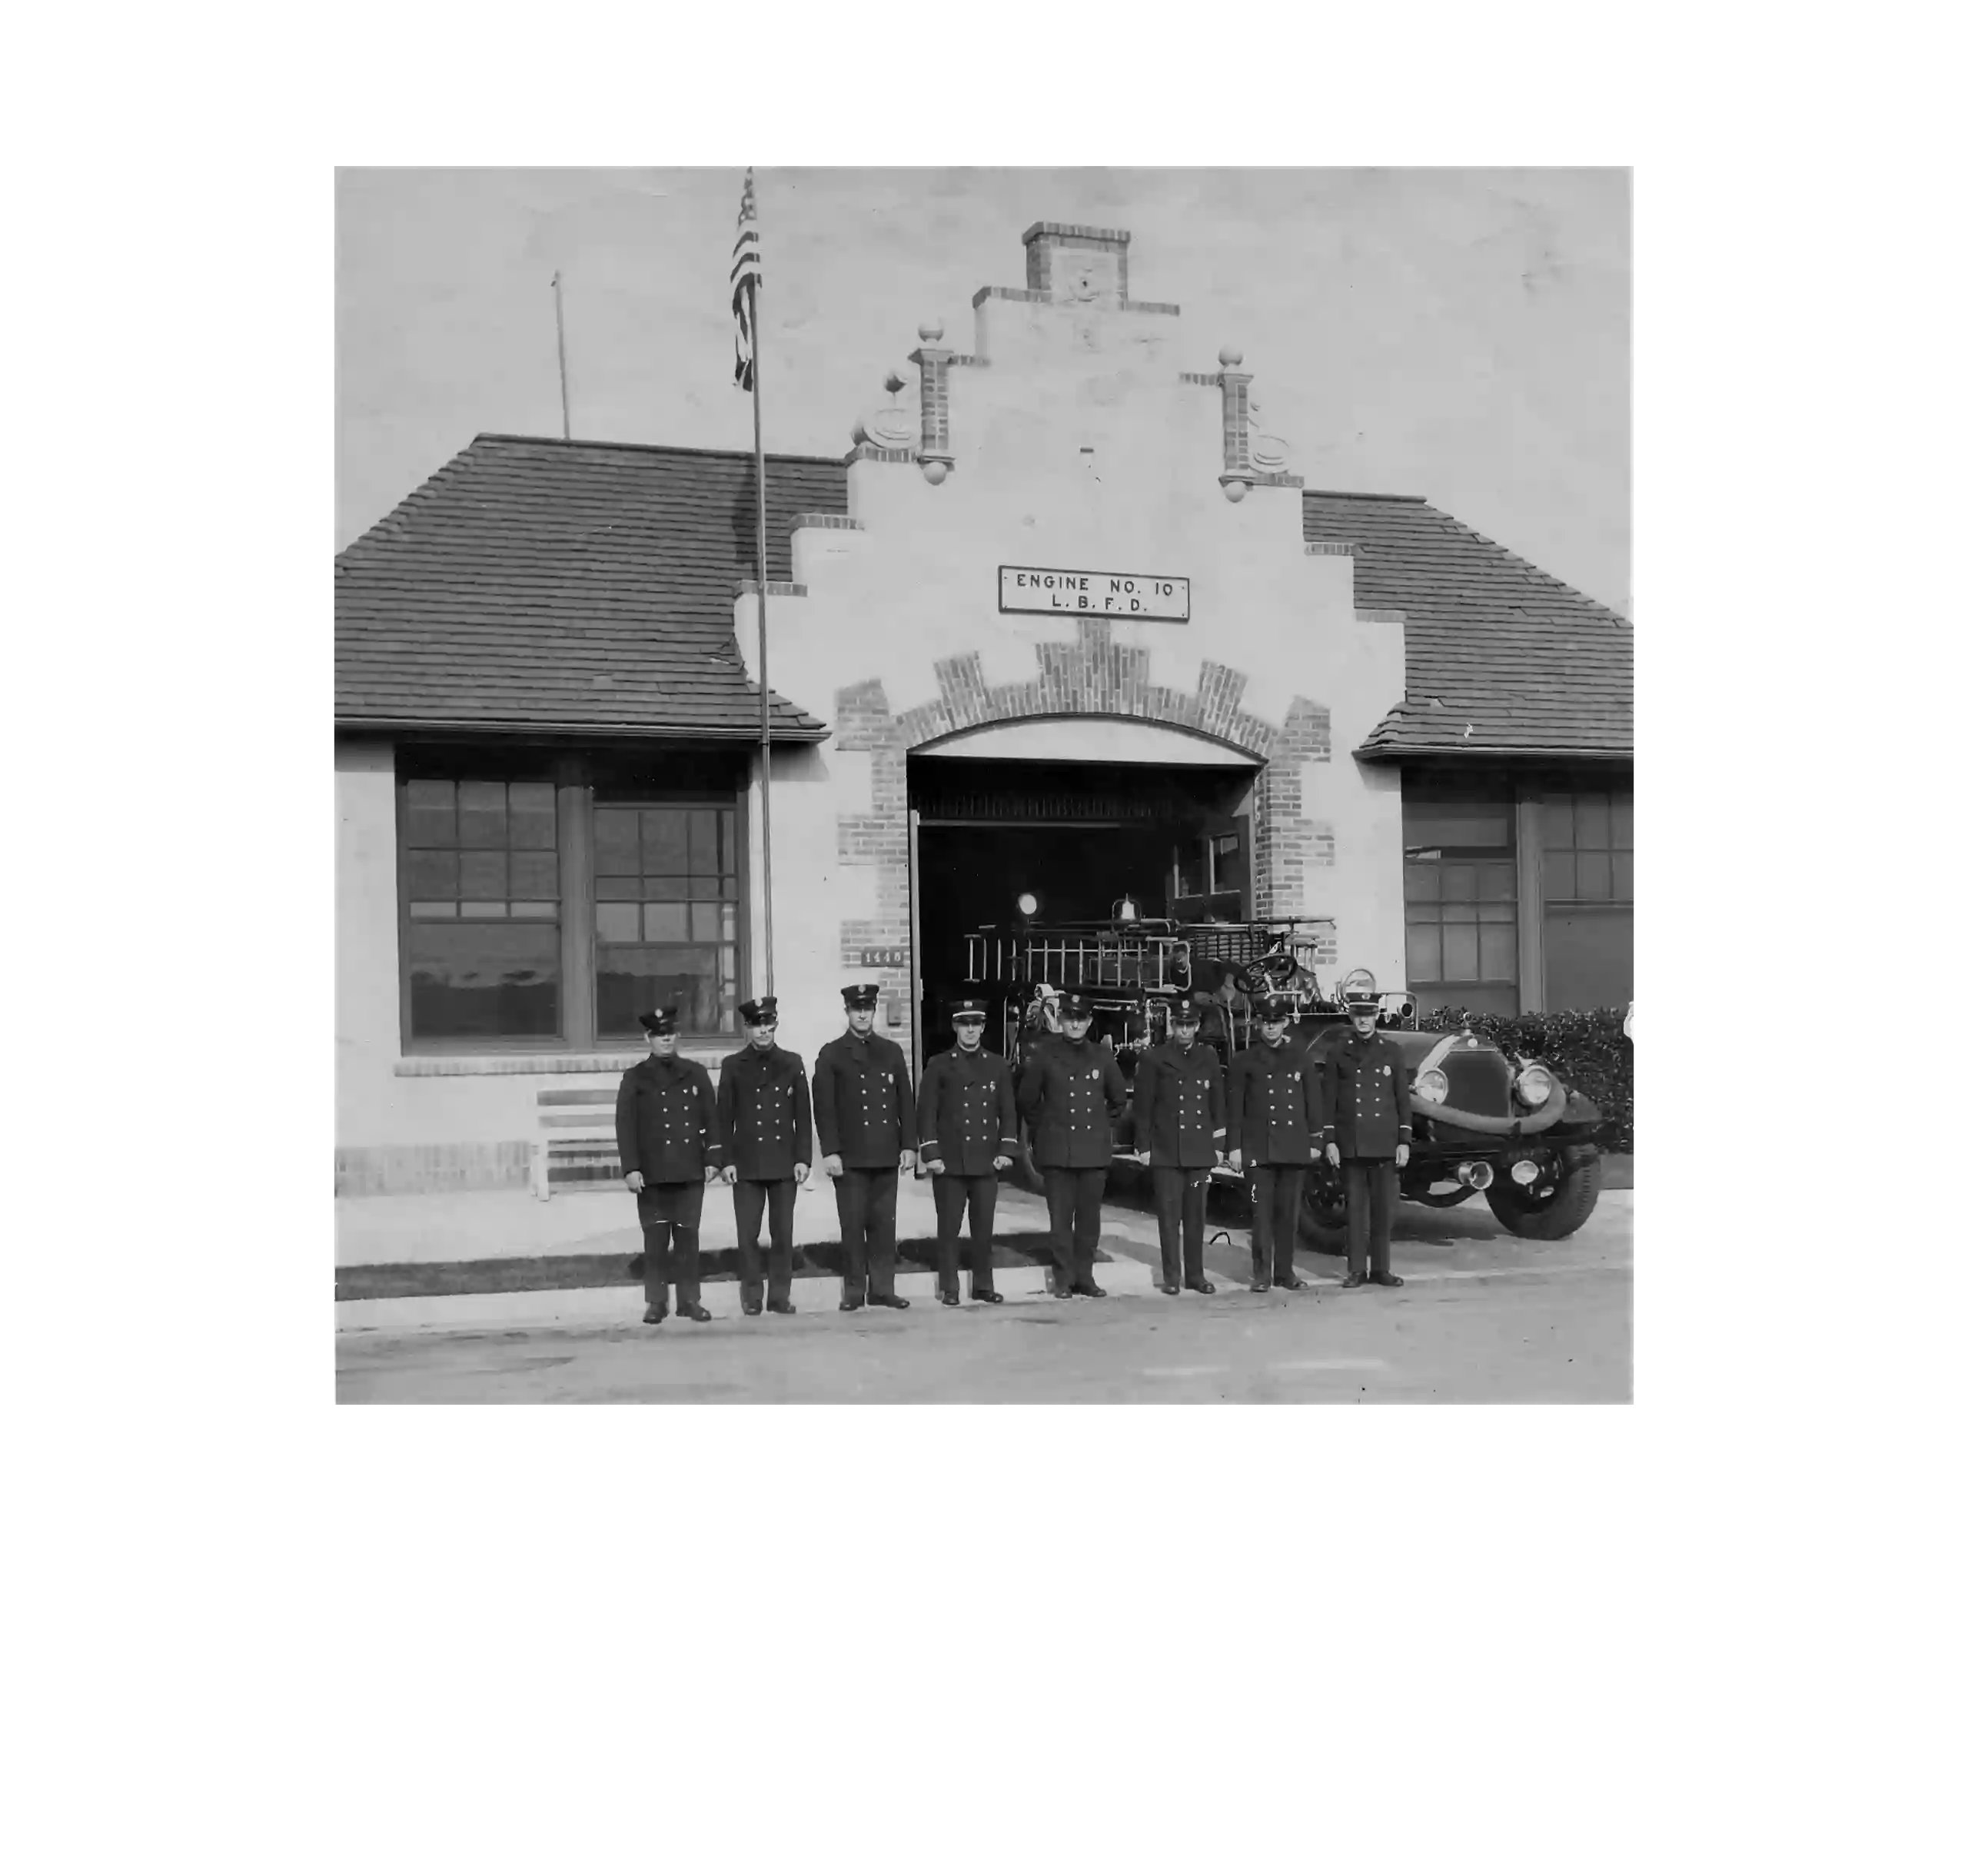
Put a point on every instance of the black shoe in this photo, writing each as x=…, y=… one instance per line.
x=850, y=1302
x=1353, y=1279
x=1204, y=1288
x=978, y=1295
x=1170, y=1289
x=1088, y=1289
x=889, y=1302
x=694, y=1311
x=1387, y=1279
x=1258, y=1286
x=654, y=1313
x=1293, y=1282
x=782, y=1308
x=949, y=1297
x=755, y=1309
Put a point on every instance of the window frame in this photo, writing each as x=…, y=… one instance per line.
x=1420, y=794
x=671, y=776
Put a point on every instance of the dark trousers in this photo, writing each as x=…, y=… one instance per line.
x=953, y=1192
x=752, y=1200
x=669, y=1215
x=1369, y=1180
x=1180, y=1193
x=1073, y=1207
x=1274, y=1195
x=865, y=1197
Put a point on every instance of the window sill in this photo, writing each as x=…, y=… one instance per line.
x=706, y=1049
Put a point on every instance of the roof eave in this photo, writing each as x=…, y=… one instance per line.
x=537, y=725
x=1394, y=752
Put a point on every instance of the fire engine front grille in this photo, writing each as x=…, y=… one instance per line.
x=1478, y=1081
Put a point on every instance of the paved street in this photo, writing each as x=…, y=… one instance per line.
x=1484, y=1317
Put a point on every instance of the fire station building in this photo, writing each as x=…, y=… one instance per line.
x=1061, y=622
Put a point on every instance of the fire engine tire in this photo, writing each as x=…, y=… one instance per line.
x=1561, y=1214
x=1322, y=1214
x=1025, y=1168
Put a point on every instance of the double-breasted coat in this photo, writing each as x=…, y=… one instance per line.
x=1178, y=1105
x=864, y=1105
x=666, y=1121
x=1072, y=1094
x=765, y=1112
x=1369, y=1109
x=1276, y=1114
x=968, y=1113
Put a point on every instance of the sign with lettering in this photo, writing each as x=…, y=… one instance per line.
x=1127, y=596
x=879, y=957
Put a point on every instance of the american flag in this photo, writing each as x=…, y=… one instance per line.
x=745, y=273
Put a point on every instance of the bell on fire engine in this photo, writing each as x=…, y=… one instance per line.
x=1126, y=911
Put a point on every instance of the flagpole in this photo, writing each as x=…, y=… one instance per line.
x=765, y=692
x=560, y=346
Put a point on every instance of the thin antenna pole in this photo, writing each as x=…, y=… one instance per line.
x=765, y=692
x=560, y=343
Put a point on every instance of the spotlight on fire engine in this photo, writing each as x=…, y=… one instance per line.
x=1126, y=911
x=1028, y=904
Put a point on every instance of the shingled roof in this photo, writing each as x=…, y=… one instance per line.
x=1502, y=658
x=532, y=585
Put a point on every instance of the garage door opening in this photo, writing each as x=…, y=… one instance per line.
x=1077, y=838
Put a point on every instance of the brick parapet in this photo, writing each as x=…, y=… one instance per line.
x=934, y=363
x=869, y=452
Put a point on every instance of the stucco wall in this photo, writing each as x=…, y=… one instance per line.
x=1078, y=445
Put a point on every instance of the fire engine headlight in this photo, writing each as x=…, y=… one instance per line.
x=1432, y=1084
x=1534, y=1085
x=1027, y=903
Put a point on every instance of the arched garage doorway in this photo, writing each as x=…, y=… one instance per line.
x=1078, y=813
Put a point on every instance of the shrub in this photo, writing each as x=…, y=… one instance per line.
x=1586, y=1049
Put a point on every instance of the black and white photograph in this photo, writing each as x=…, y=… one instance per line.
x=977, y=785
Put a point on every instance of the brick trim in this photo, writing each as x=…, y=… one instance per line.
x=1331, y=547
x=1086, y=676
x=814, y=520
x=776, y=589
x=868, y=453
x=1213, y=379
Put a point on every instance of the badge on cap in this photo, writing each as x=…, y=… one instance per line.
x=760, y=1011
x=1187, y=1008
x=1358, y=991
x=1075, y=1004
x=861, y=996
x=1271, y=1008
x=660, y=1021
x=971, y=1007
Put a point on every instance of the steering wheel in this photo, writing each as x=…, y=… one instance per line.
x=1266, y=975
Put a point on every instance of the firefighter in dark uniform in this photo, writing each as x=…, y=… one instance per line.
x=1179, y=1122
x=1274, y=1130
x=864, y=1109
x=969, y=1122
x=665, y=1132
x=1072, y=1093
x=764, y=1117
x=1369, y=1126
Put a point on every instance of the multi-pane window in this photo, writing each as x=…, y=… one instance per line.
x=1461, y=888
x=482, y=890
x=1588, y=846
x=666, y=913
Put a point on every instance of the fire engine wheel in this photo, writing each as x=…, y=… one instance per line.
x=1558, y=1201
x=1025, y=1168
x=1322, y=1212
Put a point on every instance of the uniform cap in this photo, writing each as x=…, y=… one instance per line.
x=1075, y=1004
x=1271, y=1008
x=861, y=996
x=968, y=1007
x=759, y=1010
x=1187, y=1008
x=660, y=1021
